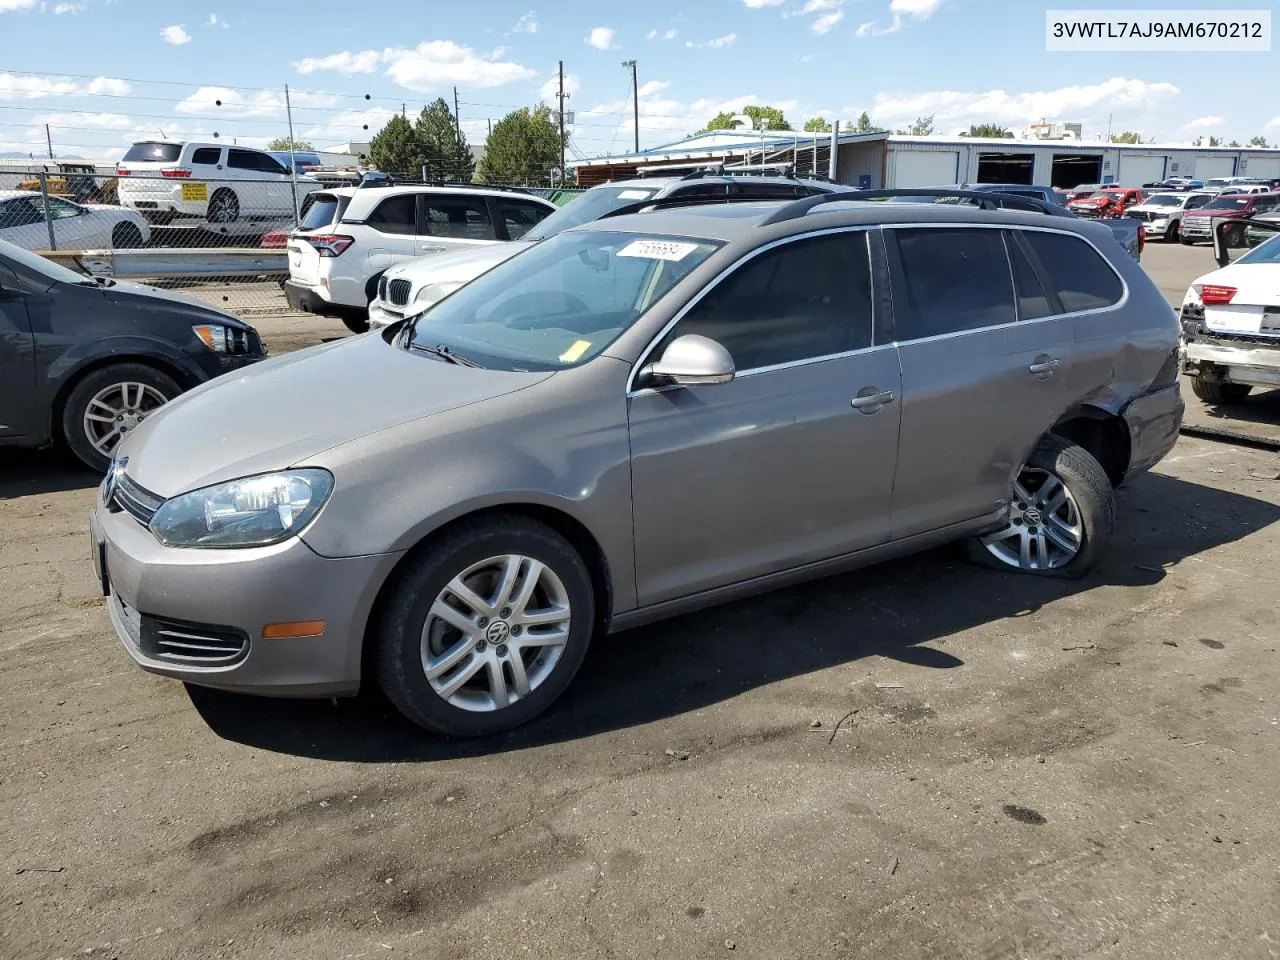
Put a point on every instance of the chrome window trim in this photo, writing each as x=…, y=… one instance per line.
x=639, y=365
x=1069, y=315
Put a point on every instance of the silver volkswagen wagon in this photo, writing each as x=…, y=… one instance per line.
x=641, y=416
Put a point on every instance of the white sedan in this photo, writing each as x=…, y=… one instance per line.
x=75, y=226
x=1231, y=327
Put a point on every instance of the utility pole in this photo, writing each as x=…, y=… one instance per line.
x=457, y=130
x=293, y=160
x=561, y=96
x=635, y=100
x=48, y=139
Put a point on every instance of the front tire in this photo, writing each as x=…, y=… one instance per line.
x=1174, y=232
x=126, y=236
x=109, y=403
x=1062, y=515
x=485, y=628
x=1214, y=391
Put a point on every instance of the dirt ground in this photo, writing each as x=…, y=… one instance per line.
x=920, y=760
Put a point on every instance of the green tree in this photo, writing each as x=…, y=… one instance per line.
x=522, y=148
x=445, y=148
x=1128, y=136
x=284, y=144
x=396, y=148
x=1258, y=142
x=864, y=124
x=817, y=125
x=1234, y=143
x=772, y=115
x=922, y=127
x=992, y=131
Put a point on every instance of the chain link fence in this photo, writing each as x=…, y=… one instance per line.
x=223, y=240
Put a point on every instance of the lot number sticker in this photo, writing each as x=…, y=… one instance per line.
x=635, y=195
x=657, y=249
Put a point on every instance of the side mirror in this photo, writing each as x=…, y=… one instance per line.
x=692, y=361
x=1232, y=239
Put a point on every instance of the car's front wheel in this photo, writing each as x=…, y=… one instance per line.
x=485, y=627
x=126, y=236
x=1061, y=515
x=107, y=404
x=1174, y=232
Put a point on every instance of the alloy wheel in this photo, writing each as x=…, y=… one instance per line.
x=1045, y=530
x=115, y=410
x=495, y=632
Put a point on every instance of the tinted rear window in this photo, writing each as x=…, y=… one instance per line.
x=955, y=280
x=1227, y=203
x=154, y=152
x=209, y=155
x=1077, y=272
x=325, y=210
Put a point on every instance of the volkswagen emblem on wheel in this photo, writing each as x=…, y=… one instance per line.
x=497, y=632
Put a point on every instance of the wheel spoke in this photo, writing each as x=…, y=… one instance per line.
x=1041, y=561
x=1056, y=502
x=100, y=418
x=437, y=667
x=464, y=673
x=519, y=602
x=469, y=597
x=104, y=443
x=1062, y=537
x=543, y=618
x=455, y=618
x=1024, y=550
x=519, y=678
x=1021, y=492
x=497, y=683
x=507, y=581
x=95, y=403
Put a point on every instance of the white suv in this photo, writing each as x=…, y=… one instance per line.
x=170, y=179
x=416, y=285
x=351, y=236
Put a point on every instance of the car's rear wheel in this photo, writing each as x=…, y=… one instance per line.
x=1215, y=391
x=1061, y=515
x=223, y=207
x=126, y=236
x=486, y=627
x=106, y=405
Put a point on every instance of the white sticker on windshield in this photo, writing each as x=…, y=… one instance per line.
x=635, y=194
x=657, y=249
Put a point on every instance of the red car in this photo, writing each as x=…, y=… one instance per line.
x=275, y=239
x=1107, y=202
x=1198, y=227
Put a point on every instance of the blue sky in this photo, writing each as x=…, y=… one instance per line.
x=105, y=72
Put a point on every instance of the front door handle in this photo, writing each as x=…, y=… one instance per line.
x=871, y=397
x=1045, y=366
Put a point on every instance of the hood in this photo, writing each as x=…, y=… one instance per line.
x=1148, y=208
x=282, y=412
x=124, y=292
x=464, y=264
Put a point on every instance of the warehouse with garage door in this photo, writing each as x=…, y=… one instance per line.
x=873, y=160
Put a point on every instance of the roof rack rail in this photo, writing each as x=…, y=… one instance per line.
x=661, y=203
x=983, y=199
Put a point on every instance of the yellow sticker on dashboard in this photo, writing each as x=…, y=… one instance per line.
x=574, y=352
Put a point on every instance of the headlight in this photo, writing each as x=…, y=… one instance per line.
x=216, y=337
x=435, y=292
x=251, y=512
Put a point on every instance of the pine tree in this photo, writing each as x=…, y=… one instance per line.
x=395, y=149
x=522, y=149
x=444, y=146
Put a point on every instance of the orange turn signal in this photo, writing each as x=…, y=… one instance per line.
x=293, y=630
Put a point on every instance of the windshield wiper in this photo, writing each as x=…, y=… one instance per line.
x=441, y=352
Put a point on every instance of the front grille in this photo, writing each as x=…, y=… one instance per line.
x=139, y=503
x=180, y=642
x=398, y=292
x=382, y=288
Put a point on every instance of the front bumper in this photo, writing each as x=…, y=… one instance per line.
x=1154, y=420
x=380, y=317
x=235, y=593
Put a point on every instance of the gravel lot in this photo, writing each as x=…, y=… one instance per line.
x=918, y=760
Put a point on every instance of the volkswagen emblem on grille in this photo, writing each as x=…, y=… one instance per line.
x=113, y=479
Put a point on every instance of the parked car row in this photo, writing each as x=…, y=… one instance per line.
x=27, y=219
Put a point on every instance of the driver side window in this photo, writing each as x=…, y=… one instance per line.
x=802, y=300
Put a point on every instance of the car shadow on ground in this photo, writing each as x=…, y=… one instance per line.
x=904, y=611
x=25, y=473
x=1261, y=406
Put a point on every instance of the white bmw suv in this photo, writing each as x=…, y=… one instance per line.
x=417, y=284
x=351, y=235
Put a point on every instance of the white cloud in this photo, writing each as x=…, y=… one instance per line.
x=213, y=20
x=826, y=22
x=10, y=6
x=667, y=118
x=499, y=53
x=656, y=34
x=548, y=91
x=31, y=87
x=1273, y=123
x=107, y=121
x=428, y=67
x=1204, y=123
x=176, y=35
x=901, y=9
x=61, y=8
x=958, y=108
x=758, y=4
x=349, y=125
x=816, y=6
x=649, y=88
x=526, y=24
x=717, y=43
x=601, y=38
x=651, y=35
x=225, y=102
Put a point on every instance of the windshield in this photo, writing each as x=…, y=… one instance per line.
x=560, y=303
x=1103, y=193
x=153, y=152
x=1227, y=203
x=1165, y=200
x=1218, y=182
x=592, y=205
x=325, y=211
x=1268, y=252
x=31, y=261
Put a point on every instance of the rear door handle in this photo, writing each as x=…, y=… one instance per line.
x=864, y=400
x=1045, y=366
